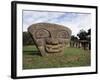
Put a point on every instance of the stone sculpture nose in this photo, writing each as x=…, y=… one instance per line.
x=52, y=41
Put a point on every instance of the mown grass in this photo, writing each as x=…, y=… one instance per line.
x=73, y=57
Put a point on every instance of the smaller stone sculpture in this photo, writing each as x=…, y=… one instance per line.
x=50, y=38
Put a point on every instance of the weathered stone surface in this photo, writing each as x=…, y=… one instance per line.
x=50, y=38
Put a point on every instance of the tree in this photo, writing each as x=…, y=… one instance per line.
x=89, y=38
x=84, y=37
x=27, y=39
x=82, y=34
x=89, y=32
x=74, y=40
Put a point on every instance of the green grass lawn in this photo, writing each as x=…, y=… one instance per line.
x=73, y=57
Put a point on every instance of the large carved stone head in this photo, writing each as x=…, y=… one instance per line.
x=50, y=38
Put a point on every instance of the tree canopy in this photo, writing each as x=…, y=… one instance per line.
x=27, y=39
x=82, y=35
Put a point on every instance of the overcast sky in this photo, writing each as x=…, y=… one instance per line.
x=74, y=21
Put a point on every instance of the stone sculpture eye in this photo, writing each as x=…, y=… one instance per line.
x=42, y=33
x=62, y=34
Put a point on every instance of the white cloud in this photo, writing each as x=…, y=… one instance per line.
x=75, y=21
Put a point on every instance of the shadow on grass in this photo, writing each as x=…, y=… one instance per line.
x=32, y=53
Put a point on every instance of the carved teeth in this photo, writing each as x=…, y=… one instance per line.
x=54, y=48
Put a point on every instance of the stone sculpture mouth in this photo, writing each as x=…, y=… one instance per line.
x=54, y=48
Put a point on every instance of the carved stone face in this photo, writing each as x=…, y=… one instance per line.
x=50, y=38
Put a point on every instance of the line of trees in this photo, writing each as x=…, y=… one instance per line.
x=83, y=37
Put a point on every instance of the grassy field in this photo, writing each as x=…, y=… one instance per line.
x=73, y=57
